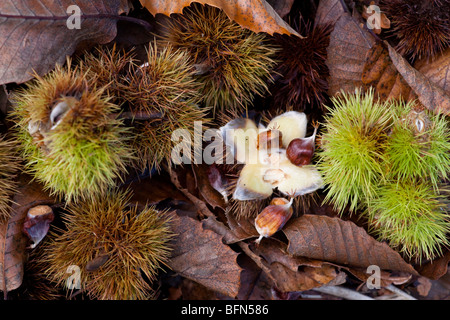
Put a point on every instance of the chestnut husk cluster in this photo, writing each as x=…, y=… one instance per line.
x=388, y=161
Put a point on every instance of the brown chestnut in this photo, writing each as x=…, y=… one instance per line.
x=273, y=217
x=301, y=150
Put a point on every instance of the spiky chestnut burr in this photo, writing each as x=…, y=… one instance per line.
x=302, y=81
x=421, y=27
x=109, y=67
x=71, y=139
x=233, y=64
x=165, y=91
x=418, y=146
x=412, y=217
x=9, y=166
x=352, y=154
x=115, y=243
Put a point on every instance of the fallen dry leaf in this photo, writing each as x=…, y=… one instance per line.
x=393, y=78
x=431, y=95
x=386, y=277
x=13, y=240
x=437, y=268
x=348, y=49
x=297, y=273
x=356, y=60
x=380, y=73
x=256, y=15
x=242, y=228
x=437, y=70
x=329, y=12
x=255, y=285
x=34, y=34
x=308, y=278
x=200, y=255
x=341, y=242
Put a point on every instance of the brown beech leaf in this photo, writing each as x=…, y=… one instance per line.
x=34, y=35
x=341, y=242
x=255, y=285
x=437, y=70
x=349, y=46
x=436, y=268
x=242, y=228
x=386, y=277
x=13, y=240
x=328, y=12
x=256, y=15
x=430, y=94
x=200, y=255
x=306, y=279
x=381, y=74
x=297, y=273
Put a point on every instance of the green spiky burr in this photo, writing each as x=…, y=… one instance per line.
x=71, y=138
x=412, y=217
x=352, y=155
x=419, y=145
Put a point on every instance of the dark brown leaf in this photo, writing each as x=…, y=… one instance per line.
x=380, y=73
x=34, y=34
x=348, y=48
x=297, y=273
x=437, y=70
x=282, y=7
x=200, y=255
x=329, y=12
x=431, y=95
x=242, y=228
x=341, y=242
x=255, y=285
x=436, y=268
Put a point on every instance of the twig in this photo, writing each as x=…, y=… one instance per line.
x=399, y=292
x=342, y=292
